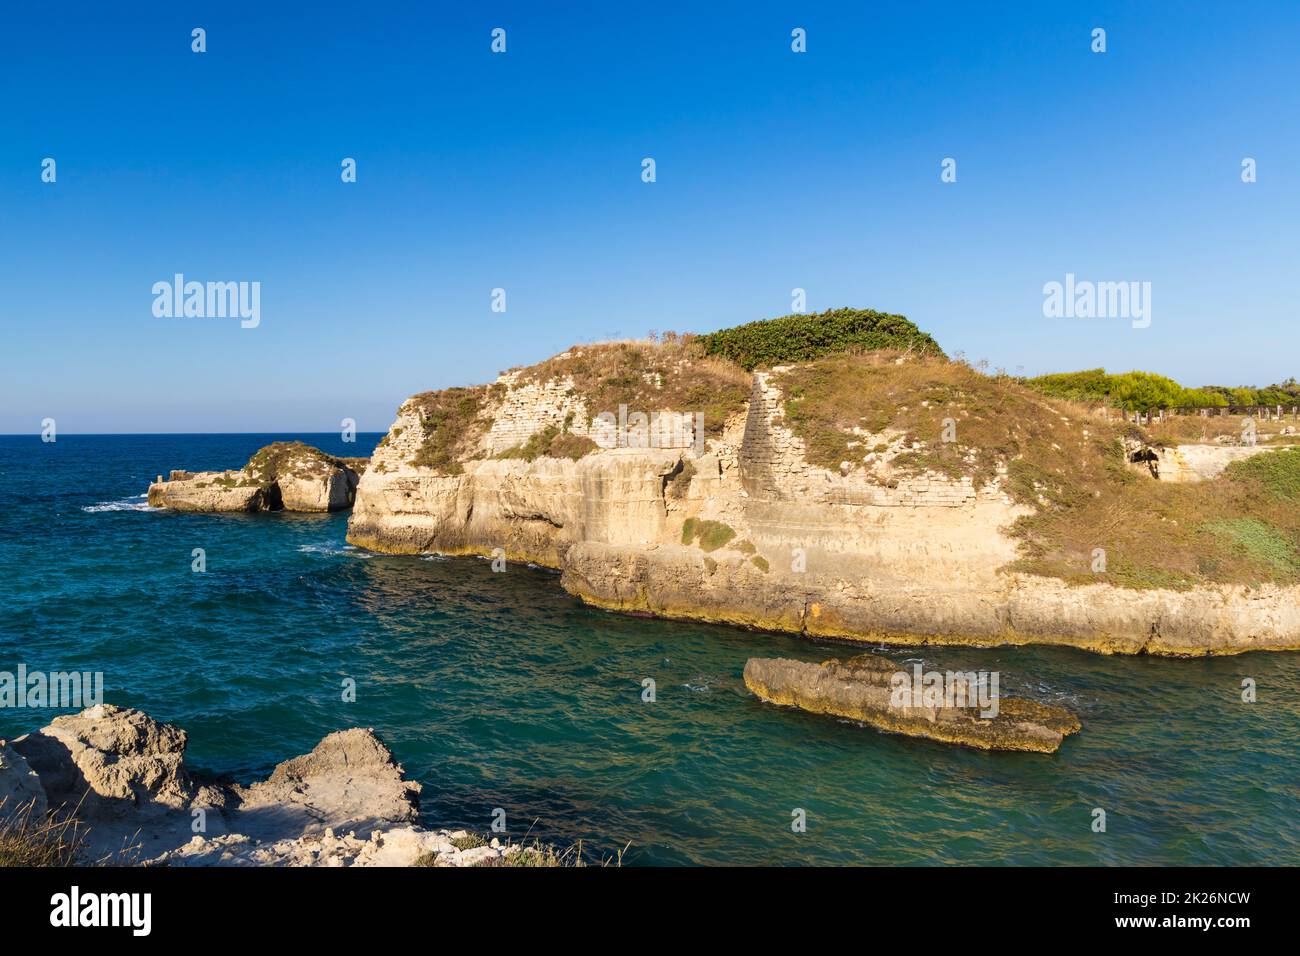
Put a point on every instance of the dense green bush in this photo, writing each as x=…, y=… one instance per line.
x=801, y=338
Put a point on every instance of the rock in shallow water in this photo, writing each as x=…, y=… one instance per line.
x=879, y=692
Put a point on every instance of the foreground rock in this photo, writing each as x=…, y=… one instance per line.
x=287, y=476
x=20, y=788
x=867, y=689
x=122, y=775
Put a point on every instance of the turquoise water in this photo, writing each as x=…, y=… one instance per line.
x=499, y=690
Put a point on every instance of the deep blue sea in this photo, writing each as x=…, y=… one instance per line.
x=499, y=690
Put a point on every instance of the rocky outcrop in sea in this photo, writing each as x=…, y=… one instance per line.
x=289, y=476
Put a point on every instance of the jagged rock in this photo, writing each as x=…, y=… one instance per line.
x=122, y=775
x=864, y=688
x=349, y=780
x=20, y=789
x=109, y=762
x=285, y=475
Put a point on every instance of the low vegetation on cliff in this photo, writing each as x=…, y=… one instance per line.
x=1090, y=510
x=453, y=424
x=295, y=458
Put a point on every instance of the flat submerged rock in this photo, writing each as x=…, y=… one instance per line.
x=871, y=689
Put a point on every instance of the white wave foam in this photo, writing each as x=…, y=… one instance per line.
x=334, y=550
x=126, y=504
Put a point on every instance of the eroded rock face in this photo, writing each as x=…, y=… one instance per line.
x=109, y=762
x=349, y=773
x=285, y=475
x=122, y=774
x=865, y=688
x=903, y=558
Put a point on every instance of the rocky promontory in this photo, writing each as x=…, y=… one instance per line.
x=958, y=708
x=888, y=496
x=121, y=776
x=288, y=476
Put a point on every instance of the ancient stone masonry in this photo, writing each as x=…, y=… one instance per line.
x=530, y=408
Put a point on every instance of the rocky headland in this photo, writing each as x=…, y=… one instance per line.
x=876, y=691
x=289, y=476
x=122, y=776
x=869, y=489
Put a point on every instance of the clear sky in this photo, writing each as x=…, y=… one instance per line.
x=522, y=170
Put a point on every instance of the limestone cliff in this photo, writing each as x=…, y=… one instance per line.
x=898, y=543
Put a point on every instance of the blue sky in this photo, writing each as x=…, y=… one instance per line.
x=775, y=170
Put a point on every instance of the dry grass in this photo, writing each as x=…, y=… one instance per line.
x=36, y=840
x=847, y=406
x=295, y=457
x=1068, y=465
x=1235, y=530
x=646, y=376
x=1216, y=430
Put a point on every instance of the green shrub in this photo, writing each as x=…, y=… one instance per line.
x=711, y=534
x=1258, y=541
x=470, y=841
x=801, y=338
x=680, y=482
x=1278, y=472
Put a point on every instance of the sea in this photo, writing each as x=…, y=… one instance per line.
x=509, y=700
